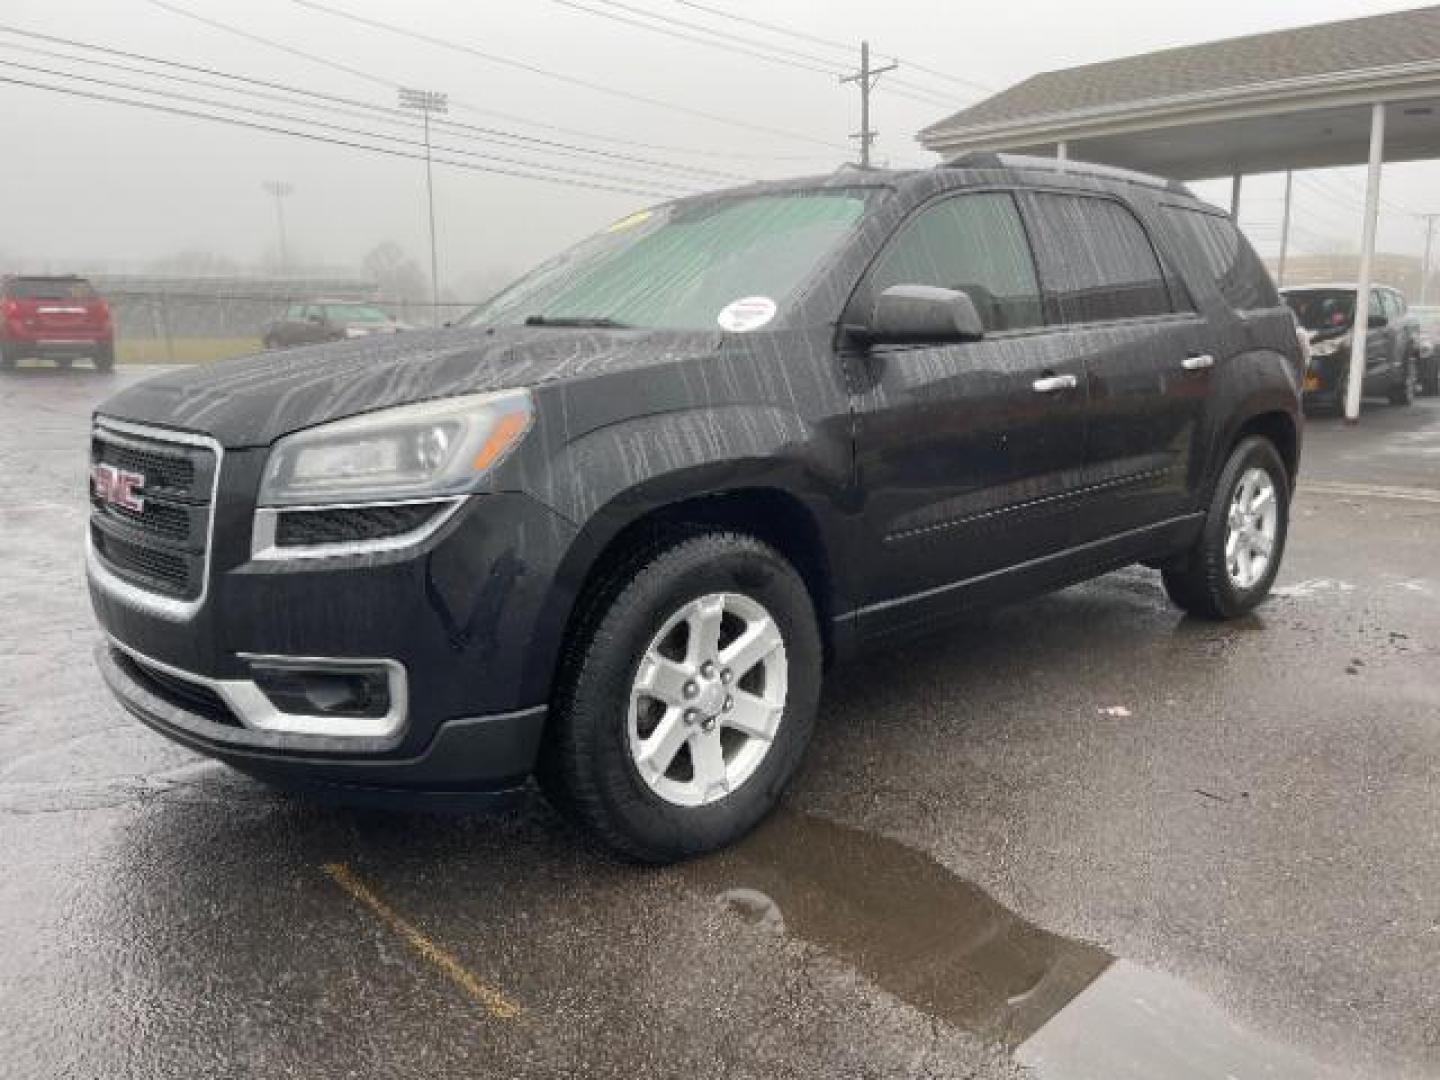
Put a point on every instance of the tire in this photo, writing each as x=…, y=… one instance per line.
x=1203, y=582
x=1430, y=376
x=589, y=764
x=105, y=360
x=1403, y=392
x=8, y=358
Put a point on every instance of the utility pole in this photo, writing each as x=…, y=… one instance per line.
x=281, y=191
x=1425, y=265
x=1285, y=229
x=866, y=78
x=426, y=102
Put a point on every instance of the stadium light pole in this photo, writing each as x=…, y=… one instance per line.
x=426, y=102
x=281, y=191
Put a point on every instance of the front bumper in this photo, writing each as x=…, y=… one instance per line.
x=463, y=618
x=464, y=755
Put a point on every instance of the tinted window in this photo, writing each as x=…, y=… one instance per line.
x=1096, y=262
x=49, y=289
x=1241, y=277
x=295, y=312
x=975, y=244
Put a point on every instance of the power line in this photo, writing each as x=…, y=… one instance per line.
x=317, y=137
x=742, y=46
x=830, y=43
x=372, y=112
x=520, y=65
x=371, y=77
x=658, y=187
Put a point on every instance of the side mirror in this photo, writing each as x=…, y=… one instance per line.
x=921, y=313
x=318, y=320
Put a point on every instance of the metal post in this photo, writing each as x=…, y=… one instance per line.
x=866, y=78
x=1425, y=265
x=1235, y=196
x=1285, y=229
x=281, y=190
x=434, y=258
x=426, y=102
x=1367, y=257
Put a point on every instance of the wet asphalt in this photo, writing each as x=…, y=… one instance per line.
x=1083, y=837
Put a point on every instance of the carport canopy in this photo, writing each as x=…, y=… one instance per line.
x=1360, y=91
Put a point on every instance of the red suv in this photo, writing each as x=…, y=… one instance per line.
x=59, y=318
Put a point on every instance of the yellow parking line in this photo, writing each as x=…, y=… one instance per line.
x=493, y=1001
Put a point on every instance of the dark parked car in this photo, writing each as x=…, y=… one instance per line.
x=54, y=318
x=327, y=320
x=1392, y=348
x=612, y=529
x=1427, y=348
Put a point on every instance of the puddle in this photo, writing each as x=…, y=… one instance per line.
x=1066, y=1009
x=902, y=920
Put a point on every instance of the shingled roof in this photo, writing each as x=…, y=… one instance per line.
x=1338, y=48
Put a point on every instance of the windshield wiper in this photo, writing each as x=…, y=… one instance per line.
x=583, y=322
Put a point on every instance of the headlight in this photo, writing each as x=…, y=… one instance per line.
x=1331, y=347
x=356, y=331
x=429, y=450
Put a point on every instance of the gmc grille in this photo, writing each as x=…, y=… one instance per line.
x=163, y=545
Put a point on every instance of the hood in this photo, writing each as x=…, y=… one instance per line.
x=253, y=400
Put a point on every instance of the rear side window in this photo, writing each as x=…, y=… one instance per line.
x=975, y=244
x=1239, y=274
x=1096, y=262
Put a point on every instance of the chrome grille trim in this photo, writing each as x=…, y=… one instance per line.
x=127, y=592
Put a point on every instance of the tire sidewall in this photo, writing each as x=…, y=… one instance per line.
x=706, y=564
x=1253, y=452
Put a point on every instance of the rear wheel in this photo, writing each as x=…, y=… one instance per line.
x=105, y=359
x=7, y=358
x=687, y=698
x=1233, y=563
x=1403, y=392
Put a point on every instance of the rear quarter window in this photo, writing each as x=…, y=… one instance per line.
x=1228, y=258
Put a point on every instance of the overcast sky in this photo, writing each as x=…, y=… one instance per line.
x=86, y=180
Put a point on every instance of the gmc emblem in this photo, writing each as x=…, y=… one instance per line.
x=120, y=487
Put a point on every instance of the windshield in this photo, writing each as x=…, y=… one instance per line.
x=1322, y=309
x=355, y=313
x=732, y=262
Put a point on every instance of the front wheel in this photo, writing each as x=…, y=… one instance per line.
x=1232, y=565
x=687, y=698
x=1403, y=392
x=1430, y=376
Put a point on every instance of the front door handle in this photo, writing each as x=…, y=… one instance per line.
x=1198, y=363
x=1052, y=383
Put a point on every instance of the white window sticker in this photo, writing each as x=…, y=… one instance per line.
x=749, y=313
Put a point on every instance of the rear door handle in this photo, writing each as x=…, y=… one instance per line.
x=1198, y=363
x=1052, y=383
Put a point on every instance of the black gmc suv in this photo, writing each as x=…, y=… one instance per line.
x=611, y=529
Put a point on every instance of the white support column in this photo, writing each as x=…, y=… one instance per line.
x=1367, y=256
x=1062, y=151
x=1235, y=196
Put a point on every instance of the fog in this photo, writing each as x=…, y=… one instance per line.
x=92, y=185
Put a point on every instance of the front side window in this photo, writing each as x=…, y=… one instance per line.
x=735, y=261
x=975, y=244
x=356, y=313
x=1096, y=263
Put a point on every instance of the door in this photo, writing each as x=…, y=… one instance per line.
x=1148, y=356
x=966, y=452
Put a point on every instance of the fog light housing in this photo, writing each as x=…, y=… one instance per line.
x=360, y=691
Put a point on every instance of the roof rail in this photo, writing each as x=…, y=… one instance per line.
x=986, y=159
